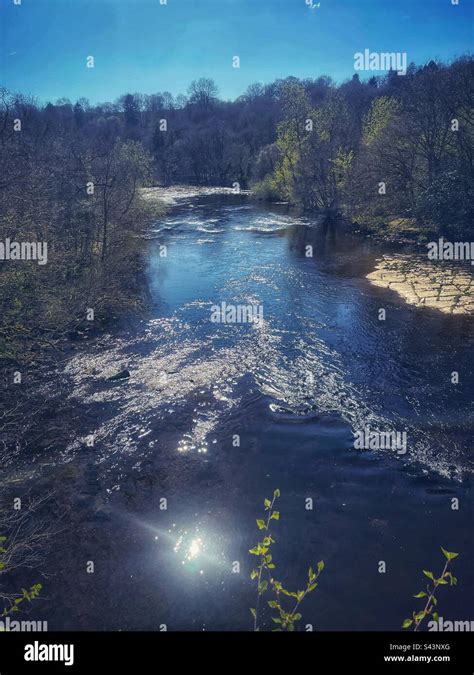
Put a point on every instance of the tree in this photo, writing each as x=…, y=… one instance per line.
x=131, y=112
x=202, y=92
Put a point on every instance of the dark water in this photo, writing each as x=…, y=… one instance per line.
x=294, y=389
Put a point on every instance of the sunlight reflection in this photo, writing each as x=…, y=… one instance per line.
x=186, y=446
x=189, y=548
x=193, y=548
x=198, y=551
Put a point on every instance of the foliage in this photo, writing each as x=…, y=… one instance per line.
x=418, y=140
x=28, y=595
x=78, y=190
x=286, y=615
x=446, y=577
x=447, y=204
x=266, y=189
x=392, y=148
x=381, y=113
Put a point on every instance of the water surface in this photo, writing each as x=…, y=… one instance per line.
x=294, y=389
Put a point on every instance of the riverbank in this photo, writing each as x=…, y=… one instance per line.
x=448, y=289
x=424, y=284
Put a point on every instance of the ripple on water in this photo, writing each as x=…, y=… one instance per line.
x=304, y=361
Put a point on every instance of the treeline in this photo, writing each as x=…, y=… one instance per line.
x=395, y=155
x=77, y=190
x=395, y=152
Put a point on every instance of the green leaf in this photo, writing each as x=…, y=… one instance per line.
x=421, y=594
x=262, y=587
x=320, y=566
x=2, y=539
x=255, y=550
x=254, y=612
x=276, y=515
x=297, y=617
x=407, y=623
x=420, y=615
x=435, y=616
x=271, y=566
x=267, y=503
x=261, y=524
x=449, y=556
x=276, y=619
x=312, y=587
x=428, y=574
x=253, y=574
x=276, y=493
x=273, y=603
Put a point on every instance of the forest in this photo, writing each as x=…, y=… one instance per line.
x=393, y=156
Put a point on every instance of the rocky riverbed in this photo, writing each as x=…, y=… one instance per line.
x=449, y=289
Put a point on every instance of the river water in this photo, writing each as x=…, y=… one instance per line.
x=215, y=416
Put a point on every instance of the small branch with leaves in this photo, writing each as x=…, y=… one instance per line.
x=445, y=578
x=15, y=602
x=265, y=576
x=25, y=538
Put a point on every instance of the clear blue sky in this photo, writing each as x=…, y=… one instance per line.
x=140, y=45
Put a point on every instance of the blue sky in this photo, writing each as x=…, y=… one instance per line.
x=140, y=45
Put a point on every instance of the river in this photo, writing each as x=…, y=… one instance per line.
x=215, y=416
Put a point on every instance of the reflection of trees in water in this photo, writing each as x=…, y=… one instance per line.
x=332, y=244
